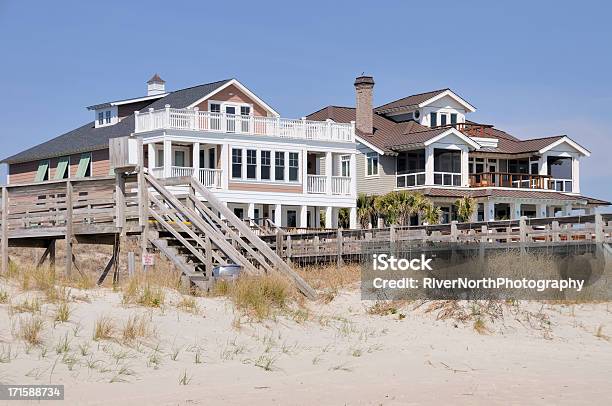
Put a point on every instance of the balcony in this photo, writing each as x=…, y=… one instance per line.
x=340, y=185
x=513, y=180
x=208, y=177
x=195, y=120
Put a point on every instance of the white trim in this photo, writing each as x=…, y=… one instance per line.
x=451, y=94
x=374, y=175
x=367, y=144
x=243, y=89
x=450, y=131
x=145, y=98
x=569, y=141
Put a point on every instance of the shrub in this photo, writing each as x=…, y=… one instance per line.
x=103, y=328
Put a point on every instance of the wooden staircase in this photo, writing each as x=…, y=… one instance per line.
x=197, y=232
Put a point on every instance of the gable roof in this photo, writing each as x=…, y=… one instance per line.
x=89, y=138
x=421, y=100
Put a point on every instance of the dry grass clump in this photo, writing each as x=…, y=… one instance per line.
x=147, y=288
x=331, y=277
x=4, y=297
x=386, y=307
x=260, y=296
x=188, y=304
x=136, y=327
x=30, y=330
x=62, y=313
x=104, y=328
x=27, y=306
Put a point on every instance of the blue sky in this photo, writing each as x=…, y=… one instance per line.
x=531, y=68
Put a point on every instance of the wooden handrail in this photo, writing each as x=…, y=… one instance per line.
x=509, y=179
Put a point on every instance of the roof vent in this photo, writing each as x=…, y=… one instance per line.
x=156, y=85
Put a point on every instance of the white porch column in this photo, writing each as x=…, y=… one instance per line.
x=167, y=158
x=251, y=211
x=328, y=217
x=567, y=209
x=278, y=215
x=303, y=216
x=540, y=210
x=429, y=165
x=195, y=160
x=489, y=210
x=465, y=171
x=225, y=168
x=576, y=175
x=317, y=216
x=515, y=210
x=353, y=218
x=353, y=174
x=304, y=171
x=152, y=156
x=334, y=219
x=329, y=166
x=543, y=167
x=474, y=217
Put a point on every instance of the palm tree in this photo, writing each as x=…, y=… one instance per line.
x=343, y=218
x=465, y=208
x=419, y=203
x=432, y=214
x=365, y=209
x=405, y=206
x=386, y=206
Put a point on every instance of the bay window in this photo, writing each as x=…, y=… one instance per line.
x=411, y=168
x=447, y=167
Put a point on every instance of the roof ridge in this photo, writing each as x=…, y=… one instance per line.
x=413, y=95
x=201, y=84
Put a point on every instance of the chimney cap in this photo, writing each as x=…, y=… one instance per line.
x=156, y=79
x=364, y=80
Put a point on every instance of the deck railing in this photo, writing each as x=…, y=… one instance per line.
x=511, y=180
x=210, y=177
x=317, y=184
x=195, y=120
x=341, y=185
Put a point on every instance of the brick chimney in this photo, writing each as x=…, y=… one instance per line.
x=156, y=85
x=364, y=86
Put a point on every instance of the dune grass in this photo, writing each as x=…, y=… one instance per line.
x=30, y=330
x=104, y=328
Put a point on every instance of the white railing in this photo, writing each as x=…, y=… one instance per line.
x=210, y=177
x=341, y=185
x=195, y=120
x=410, y=179
x=178, y=171
x=158, y=172
x=561, y=185
x=317, y=184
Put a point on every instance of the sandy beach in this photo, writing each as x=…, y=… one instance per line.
x=202, y=350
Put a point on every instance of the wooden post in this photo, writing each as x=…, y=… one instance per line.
x=288, y=249
x=143, y=206
x=5, y=206
x=454, y=233
x=599, y=228
x=131, y=258
x=523, y=233
x=484, y=231
x=68, y=235
x=339, y=242
x=209, y=256
x=120, y=202
x=392, y=239
x=52, y=256
x=555, y=231
x=279, y=243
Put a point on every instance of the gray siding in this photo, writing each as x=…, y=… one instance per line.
x=377, y=185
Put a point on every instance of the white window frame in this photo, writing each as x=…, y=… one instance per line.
x=367, y=164
x=345, y=163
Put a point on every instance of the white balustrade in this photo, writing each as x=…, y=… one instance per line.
x=158, y=172
x=341, y=185
x=210, y=177
x=178, y=171
x=317, y=184
x=195, y=120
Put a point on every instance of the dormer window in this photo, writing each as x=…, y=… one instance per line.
x=433, y=119
x=215, y=108
x=100, y=118
x=108, y=116
x=453, y=118
x=442, y=119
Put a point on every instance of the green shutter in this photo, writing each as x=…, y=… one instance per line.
x=62, y=165
x=83, y=165
x=43, y=167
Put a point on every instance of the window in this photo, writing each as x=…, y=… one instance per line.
x=84, y=168
x=265, y=165
x=101, y=118
x=215, y=108
x=42, y=174
x=251, y=164
x=291, y=218
x=159, y=158
x=179, y=158
x=372, y=164
x=345, y=165
x=245, y=110
x=239, y=212
x=453, y=118
x=433, y=119
x=446, y=164
x=560, y=167
x=443, y=119
x=294, y=164
x=279, y=169
x=108, y=117
x=518, y=165
x=411, y=162
x=62, y=171
x=236, y=163
x=212, y=158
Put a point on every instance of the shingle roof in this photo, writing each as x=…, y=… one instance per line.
x=412, y=100
x=156, y=79
x=88, y=138
x=387, y=135
x=512, y=194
